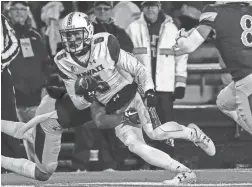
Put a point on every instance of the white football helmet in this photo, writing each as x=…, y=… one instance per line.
x=76, y=32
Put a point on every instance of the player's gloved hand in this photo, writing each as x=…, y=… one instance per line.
x=56, y=92
x=86, y=86
x=179, y=93
x=55, y=86
x=131, y=116
x=151, y=99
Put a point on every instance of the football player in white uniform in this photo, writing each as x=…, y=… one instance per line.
x=43, y=133
x=94, y=68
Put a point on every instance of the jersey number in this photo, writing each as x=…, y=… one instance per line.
x=246, y=25
x=103, y=86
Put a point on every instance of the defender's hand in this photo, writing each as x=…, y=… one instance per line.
x=151, y=99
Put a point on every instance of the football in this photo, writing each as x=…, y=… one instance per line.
x=86, y=86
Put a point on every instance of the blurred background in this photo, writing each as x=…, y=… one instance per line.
x=206, y=78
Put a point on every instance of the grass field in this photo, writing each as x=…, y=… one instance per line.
x=206, y=178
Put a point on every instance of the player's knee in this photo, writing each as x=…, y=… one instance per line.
x=45, y=171
x=134, y=145
x=41, y=176
x=153, y=135
x=219, y=102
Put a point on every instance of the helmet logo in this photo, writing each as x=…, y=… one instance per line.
x=70, y=19
x=88, y=22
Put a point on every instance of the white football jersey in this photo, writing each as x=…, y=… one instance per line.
x=105, y=62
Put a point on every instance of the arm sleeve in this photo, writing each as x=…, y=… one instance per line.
x=181, y=70
x=208, y=16
x=10, y=50
x=141, y=75
x=130, y=64
x=78, y=101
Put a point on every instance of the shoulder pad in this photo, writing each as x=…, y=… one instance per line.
x=60, y=55
x=100, y=37
x=98, y=40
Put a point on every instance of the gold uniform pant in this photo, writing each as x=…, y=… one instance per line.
x=235, y=100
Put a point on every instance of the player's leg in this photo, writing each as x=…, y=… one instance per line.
x=171, y=130
x=10, y=127
x=132, y=137
x=44, y=150
x=155, y=130
x=14, y=129
x=243, y=91
x=226, y=101
x=47, y=147
x=233, y=102
x=21, y=166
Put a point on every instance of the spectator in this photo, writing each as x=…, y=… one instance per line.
x=104, y=23
x=153, y=35
x=28, y=67
x=9, y=51
x=51, y=14
x=110, y=154
x=125, y=12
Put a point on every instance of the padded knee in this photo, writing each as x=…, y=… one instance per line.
x=132, y=147
x=41, y=176
x=128, y=134
x=226, y=109
x=220, y=104
x=226, y=100
x=46, y=170
x=136, y=145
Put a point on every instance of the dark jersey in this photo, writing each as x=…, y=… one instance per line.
x=232, y=24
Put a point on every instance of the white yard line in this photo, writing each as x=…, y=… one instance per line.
x=18, y=185
x=151, y=171
x=136, y=184
x=225, y=170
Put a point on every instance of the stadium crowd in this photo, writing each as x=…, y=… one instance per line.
x=36, y=26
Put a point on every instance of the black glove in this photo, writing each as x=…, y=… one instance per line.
x=55, y=86
x=179, y=93
x=86, y=86
x=151, y=99
x=131, y=116
x=56, y=92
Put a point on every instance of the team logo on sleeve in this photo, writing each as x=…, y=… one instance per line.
x=74, y=69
